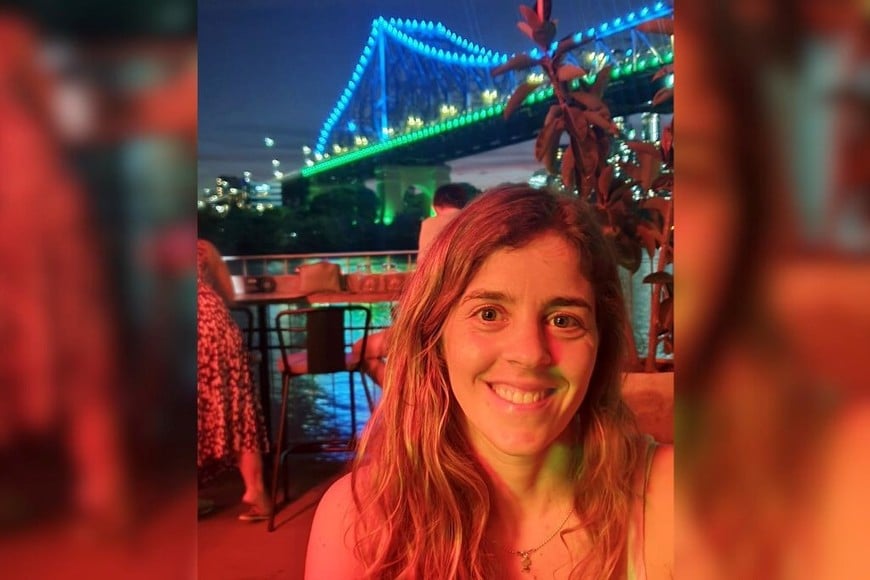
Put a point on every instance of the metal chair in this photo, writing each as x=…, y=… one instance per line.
x=316, y=341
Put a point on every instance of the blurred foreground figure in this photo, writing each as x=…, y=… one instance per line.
x=57, y=372
x=770, y=318
x=97, y=414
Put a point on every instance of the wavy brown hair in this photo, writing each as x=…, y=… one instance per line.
x=422, y=498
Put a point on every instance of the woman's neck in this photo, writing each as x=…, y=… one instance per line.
x=529, y=487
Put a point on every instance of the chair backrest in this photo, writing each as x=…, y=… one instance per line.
x=322, y=333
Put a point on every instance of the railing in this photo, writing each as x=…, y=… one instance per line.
x=278, y=264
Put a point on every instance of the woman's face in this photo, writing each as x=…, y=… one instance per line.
x=520, y=346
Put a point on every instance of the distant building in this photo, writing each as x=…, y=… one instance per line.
x=242, y=192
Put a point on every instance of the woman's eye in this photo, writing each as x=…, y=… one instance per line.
x=488, y=314
x=563, y=321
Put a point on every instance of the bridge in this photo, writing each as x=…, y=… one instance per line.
x=422, y=95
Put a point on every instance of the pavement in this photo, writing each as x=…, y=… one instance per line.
x=229, y=549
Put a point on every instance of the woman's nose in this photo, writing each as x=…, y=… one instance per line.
x=527, y=344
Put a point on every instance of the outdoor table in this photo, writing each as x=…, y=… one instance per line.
x=262, y=300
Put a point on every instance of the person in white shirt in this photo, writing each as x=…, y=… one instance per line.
x=447, y=201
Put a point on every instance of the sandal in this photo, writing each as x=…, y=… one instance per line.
x=254, y=514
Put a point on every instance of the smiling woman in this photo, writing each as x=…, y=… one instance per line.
x=501, y=425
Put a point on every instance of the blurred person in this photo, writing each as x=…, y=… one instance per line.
x=763, y=425
x=374, y=362
x=501, y=446
x=230, y=425
x=447, y=201
x=57, y=367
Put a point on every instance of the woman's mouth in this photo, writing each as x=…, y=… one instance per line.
x=520, y=396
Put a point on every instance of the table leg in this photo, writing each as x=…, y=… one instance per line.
x=265, y=378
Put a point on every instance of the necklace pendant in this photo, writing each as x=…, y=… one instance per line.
x=526, y=562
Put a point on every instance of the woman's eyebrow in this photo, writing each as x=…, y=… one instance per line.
x=488, y=295
x=566, y=301
x=556, y=302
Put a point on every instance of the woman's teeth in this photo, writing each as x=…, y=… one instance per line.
x=519, y=397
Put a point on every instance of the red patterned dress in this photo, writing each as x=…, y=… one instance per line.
x=229, y=418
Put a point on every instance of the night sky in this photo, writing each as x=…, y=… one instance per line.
x=276, y=67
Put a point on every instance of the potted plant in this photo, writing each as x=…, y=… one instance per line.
x=631, y=191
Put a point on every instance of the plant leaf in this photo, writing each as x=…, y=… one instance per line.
x=605, y=178
x=531, y=16
x=545, y=145
x=658, y=278
x=628, y=253
x=666, y=314
x=527, y=30
x=650, y=168
x=545, y=34
x=590, y=101
x=599, y=121
x=554, y=112
x=520, y=61
x=544, y=9
x=665, y=70
x=643, y=148
x=662, y=96
x=569, y=72
x=568, y=168
x=579, y=126
x=602, y=79
x=649, y=238
x=659, y=204
x=517, y=98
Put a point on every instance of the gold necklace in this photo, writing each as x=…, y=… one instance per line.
x=524, y=555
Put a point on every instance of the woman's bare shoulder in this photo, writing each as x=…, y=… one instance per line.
x=330, y=543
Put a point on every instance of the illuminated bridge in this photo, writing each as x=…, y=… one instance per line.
x=422, y=95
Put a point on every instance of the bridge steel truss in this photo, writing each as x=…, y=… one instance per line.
x=409, y=69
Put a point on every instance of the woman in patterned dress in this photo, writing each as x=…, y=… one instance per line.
x=230, y=426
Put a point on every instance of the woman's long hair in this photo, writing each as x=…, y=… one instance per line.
x=422, y=497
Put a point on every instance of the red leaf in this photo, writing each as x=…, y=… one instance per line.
x=530, y=16
x=662, y=95
x=649, y=237
x=545, y=145
x=650, y=167
x=569, y=72
x=544, y=35
x=604, y=180
x=599, y=121
x=643, y=148
x=628, y=254
x=667, y=69
x=602, y=79
x=554, y=112
x=591, y=102
x=666, y=314
x=659, y=204
x=517, y=98
x=568, y=168
x=667, y=143
x=526, y=29
x=579, y=126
